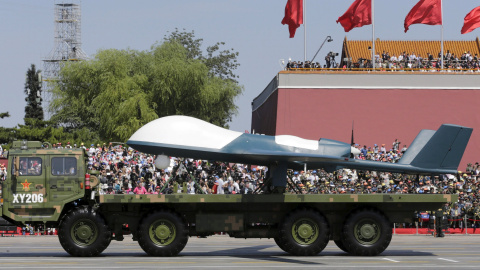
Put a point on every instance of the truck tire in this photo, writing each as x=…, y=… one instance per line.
x=162, y=233
x=340, y=245
x=303, y=233
x=83, y=233
x=366, y=232
x=279, y=243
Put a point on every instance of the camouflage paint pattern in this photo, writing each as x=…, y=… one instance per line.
x=219, y=222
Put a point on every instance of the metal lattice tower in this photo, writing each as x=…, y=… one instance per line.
x=67, y=40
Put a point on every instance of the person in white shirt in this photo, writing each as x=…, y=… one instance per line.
x=236, y=187
x=190, y=187
x=99, y=149
x=393, y=60
x=91, y=150
x=220, y=184
x=413, y=57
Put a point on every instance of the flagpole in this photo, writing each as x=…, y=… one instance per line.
x=441, y=8
x=304, y=32
x=373, y=35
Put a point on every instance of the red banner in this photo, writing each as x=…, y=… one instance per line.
x=357, y=15
x=425, y=12
x=471, y=21
x=293, y=15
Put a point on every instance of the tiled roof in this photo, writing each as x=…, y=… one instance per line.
x=356, y=49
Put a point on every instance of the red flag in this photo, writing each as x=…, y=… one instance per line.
x=357, y=15
x=471, y=21
x=293, y=15
x=425, y=12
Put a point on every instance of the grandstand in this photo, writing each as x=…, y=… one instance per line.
x=355, y=49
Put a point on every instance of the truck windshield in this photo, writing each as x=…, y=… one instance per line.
x=64, y=166
x=29, y=166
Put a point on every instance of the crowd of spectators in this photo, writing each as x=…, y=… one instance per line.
x=413, y=61
x=126, y=171
x=307, y=64
x=403, y=61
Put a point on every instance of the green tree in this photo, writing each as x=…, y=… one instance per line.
x=5, y=133
x=220, y=63
x=47, y=131
x=33, y=90
x=5, y=114
x=119, y=91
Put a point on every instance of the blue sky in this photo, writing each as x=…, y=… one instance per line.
x=251, y=27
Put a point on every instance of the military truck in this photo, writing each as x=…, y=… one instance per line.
x=53, y=188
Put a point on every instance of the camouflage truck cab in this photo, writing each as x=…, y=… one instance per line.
x=42, y=182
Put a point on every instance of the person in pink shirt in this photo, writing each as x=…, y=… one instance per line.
x=126, y=190
x=140, y=189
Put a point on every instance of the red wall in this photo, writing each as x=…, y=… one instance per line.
x=264, y=119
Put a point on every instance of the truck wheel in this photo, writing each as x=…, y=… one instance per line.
x=366, y=233
x=340, y=245
x=303, y=233
x=83, y=233
x=162, y=233
x=279, y=243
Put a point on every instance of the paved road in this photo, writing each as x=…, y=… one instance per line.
x=45, y=252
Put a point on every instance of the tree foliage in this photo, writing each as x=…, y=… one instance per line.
x=33, y=90
x=220, y=63
x=5, y=114
x=119, y=91
x=46, y=131
x=35, y=128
